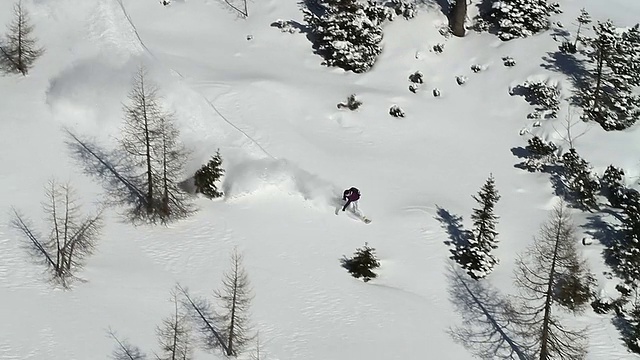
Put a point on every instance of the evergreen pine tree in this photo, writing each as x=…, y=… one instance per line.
x=206, y=177
x=19, y=50
x=632, y=337
x=579, y=181
x=362, y=264
x=630, y=51
x=627, y=250
x=583, y=19
x=521, y=18
x=612, y=185
x=345, y=36
x=608, y=96
x=475, y=257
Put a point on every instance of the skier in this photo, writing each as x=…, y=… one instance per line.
x=351, y=195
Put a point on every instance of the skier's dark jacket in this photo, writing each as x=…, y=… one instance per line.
x=352, y=194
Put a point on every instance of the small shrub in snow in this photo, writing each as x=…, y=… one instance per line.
x=416, y=77
x=362, y=264
x=534, y=115
x=351, y=104
x=579, y=180
x=541, y=154
x=508, y=61
x=284, y=26
x=567, y=47
x=476, y=68
x=604, y=306
x=461, y=79
x=445, y=31
x=480, y=24
x=438, y=48
x=436, y=92
x=396, y=111
x=546, y=96
x=206, y=177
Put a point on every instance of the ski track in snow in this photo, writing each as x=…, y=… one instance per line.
x=107, y=25
x=134, y=29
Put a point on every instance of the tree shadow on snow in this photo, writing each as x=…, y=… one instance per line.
x=458, y=235
x=444, y=5
x=109, y=167
x=604, y=232
x=489, y=322
x=570, y=66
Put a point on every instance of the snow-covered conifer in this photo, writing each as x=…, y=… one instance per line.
x=475, y=256
x=583, y=19
x=362, y=264
x=206, y=177
x=541, y=154
x=521, y=18
x=579, y=180
x=612, y=185
x=345, y=36
x=608, y=96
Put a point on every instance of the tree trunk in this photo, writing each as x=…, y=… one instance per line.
x=457, y=18
x=599, y=70
x=544, y=342
x=230, y=350
x=575, y=44
x=147, y=140
x=21, y=66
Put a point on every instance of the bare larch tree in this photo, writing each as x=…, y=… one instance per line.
x=72, y=236
x=539, y=275
x=174, y=335
x=19, y=51
x=227, y=329
x=152, y=146
x=235, y=298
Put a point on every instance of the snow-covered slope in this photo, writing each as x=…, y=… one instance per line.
x=262, y=97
